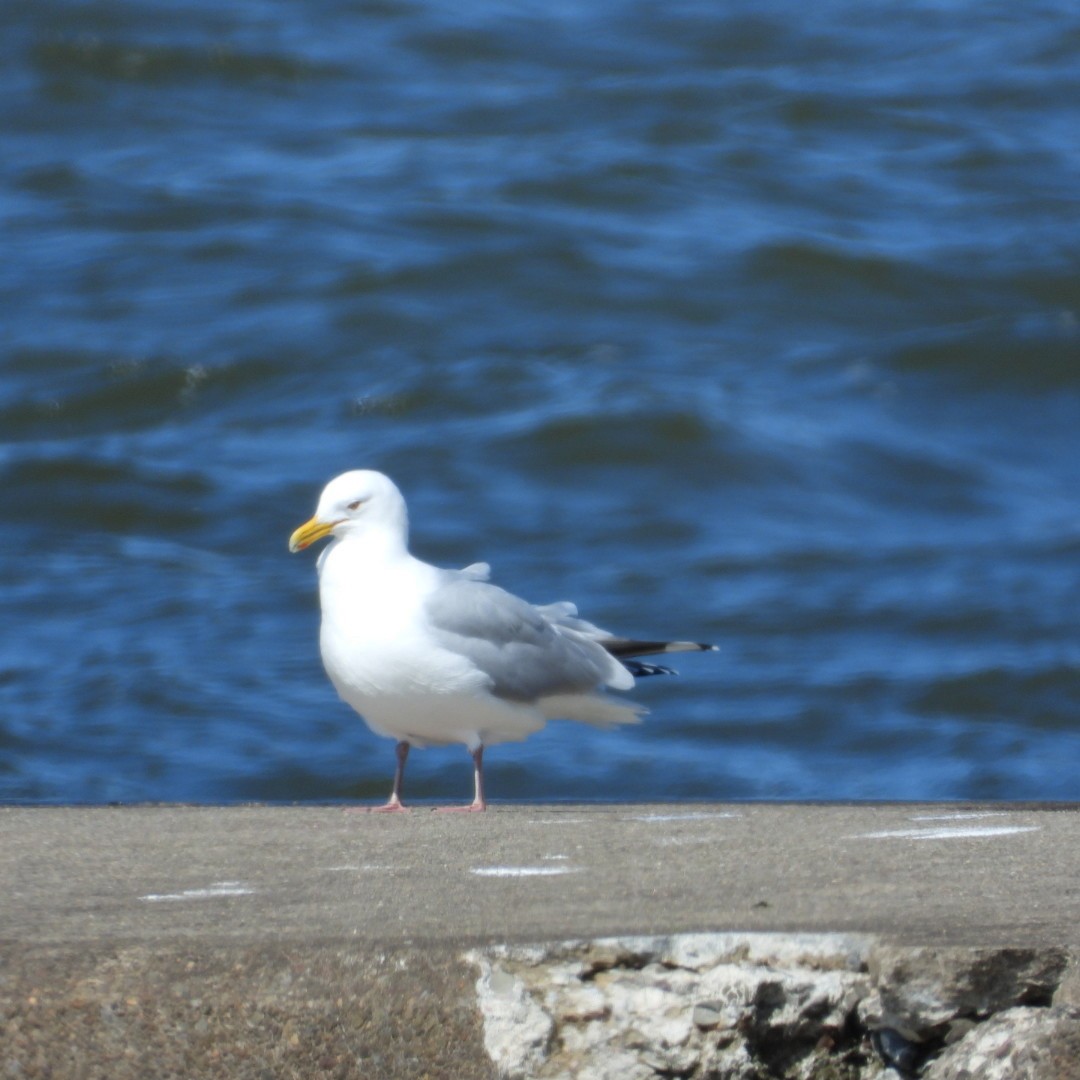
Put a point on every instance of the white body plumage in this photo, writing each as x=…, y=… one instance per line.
x=427, y=655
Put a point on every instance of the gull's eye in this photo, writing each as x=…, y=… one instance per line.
x=355, y=505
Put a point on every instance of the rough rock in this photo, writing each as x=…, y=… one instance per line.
x=756, y=1006
x=516, y=1029
x=736, y=1006
x=1068, y=991
x=1022, y=1043
x=920, y=991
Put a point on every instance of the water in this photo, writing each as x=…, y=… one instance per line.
x=750, y=323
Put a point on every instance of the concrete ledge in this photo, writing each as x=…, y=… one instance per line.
x=274, y=941
x=200, y=1009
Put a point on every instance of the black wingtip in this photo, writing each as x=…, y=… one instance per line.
x=621, y=648
x=689, y=646
x=640, y=670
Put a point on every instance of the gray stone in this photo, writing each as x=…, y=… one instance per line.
x=920, y=991
x=739, y=1009
x=1022, y=1043
x=1068, y=991
x=517, y=1031
x=708, y=1014
x=742, y=1007
x=957, y=1030
x=896, y=1049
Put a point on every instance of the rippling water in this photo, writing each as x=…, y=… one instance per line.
x=749, y=323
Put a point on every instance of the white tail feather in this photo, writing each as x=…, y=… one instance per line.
x=590, y=709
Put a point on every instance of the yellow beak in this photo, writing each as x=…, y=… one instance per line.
x=309, y=532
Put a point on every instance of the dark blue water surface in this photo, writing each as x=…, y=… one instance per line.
x=752, y=323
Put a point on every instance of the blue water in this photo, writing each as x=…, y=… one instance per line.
x=751, y=323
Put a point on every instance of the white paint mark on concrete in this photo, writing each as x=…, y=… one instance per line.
x=690, y=816
x=520, y=871
x=960, y=833
x=555, y=858
x=219, y=888
x=967, y=816
x=556, y=821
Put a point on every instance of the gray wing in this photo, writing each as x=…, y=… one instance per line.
x=523, y=652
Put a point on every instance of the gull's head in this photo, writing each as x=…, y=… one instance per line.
x=352, y=503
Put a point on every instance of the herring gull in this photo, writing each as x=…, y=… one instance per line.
x=430, y=656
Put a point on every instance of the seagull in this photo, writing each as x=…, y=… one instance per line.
x=429, y=656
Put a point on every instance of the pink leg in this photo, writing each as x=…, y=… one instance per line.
x=393, y=805
x=479, y=802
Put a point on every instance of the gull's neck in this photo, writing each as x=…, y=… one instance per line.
x=368, y=551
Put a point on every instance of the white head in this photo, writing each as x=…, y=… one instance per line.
x=354, y=503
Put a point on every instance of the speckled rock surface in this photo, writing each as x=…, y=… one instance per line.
x=758, y=1006
x=738, y=1006
x=922, y=991
x=1017, y=1044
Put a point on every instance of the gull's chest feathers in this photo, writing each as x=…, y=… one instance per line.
x=373, y=636
x=369, y=603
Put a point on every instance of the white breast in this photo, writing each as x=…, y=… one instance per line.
x=373, y=636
